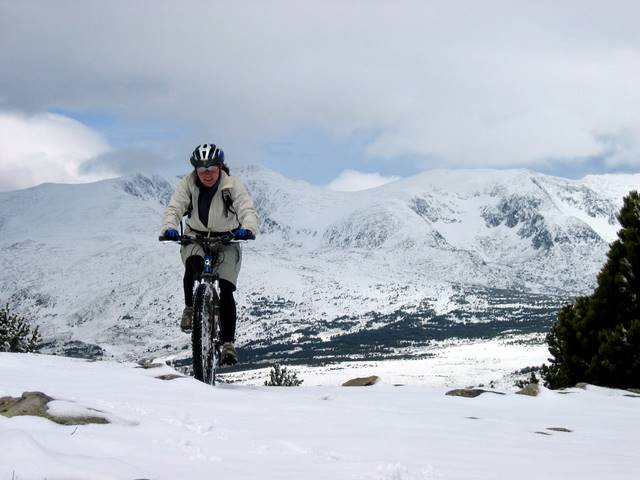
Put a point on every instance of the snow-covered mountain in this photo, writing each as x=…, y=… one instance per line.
x=379, y=273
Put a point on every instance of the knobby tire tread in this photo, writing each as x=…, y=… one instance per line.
x=196, y=332
x=201, y=370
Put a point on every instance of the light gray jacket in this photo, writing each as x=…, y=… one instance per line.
x=187, y=193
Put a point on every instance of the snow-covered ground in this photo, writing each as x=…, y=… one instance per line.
x=450, y=364
x=187, y=430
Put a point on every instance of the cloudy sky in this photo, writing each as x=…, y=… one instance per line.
x=341, y=93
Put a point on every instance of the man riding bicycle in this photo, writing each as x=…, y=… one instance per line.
x=216, y=204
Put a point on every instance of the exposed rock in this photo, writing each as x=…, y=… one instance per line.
x=72, y=348
x=470, y=392
x=169, y=376
x=559, y=429
x=531, y=389
x=543, y=433
x=147, y=188
x=148, y=363
x=35, y=404
x=78, y=349
x=634, y=390
x=362, y=381
x=581, y=385
x=522, y=211
x=29, y=404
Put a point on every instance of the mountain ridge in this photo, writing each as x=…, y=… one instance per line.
x=444, y=254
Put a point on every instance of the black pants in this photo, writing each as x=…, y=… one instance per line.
x=193, y=268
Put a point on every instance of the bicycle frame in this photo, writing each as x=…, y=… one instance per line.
x=205, y=335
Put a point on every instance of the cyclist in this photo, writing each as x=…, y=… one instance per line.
x=216, y=203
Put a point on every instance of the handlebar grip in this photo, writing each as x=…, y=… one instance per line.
x=164, y=238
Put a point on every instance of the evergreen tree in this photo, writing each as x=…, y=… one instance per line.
x=15, y=333
x=597, y=339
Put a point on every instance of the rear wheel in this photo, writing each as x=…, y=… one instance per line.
x=206, y=315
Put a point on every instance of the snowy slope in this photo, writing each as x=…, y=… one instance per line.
x=185, y=429
x=381, y=273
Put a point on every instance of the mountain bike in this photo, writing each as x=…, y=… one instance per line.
x=205, y=334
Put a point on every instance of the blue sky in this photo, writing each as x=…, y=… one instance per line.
x=314, y=89
x=313, y=155
x=309, y=154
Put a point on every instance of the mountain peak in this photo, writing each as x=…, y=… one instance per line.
x=145, y=187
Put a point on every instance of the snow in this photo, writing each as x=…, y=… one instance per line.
x=185, y=429
x=448, y=364
x=88, y=267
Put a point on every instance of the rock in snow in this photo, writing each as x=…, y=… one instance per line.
x=470, y=392
x=531, y=389
x=36, y=404
x=362, y=381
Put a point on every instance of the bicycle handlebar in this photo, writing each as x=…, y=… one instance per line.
x=186, y=239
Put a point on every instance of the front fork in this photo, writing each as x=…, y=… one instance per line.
x=208, y=268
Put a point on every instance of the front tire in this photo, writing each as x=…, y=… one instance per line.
x=206, y=314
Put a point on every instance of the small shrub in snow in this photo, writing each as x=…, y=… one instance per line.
x=281, y=377
x=16, y=334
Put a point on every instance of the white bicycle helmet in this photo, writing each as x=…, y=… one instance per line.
x=207, y=155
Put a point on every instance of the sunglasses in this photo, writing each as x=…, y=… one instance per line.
x=210, y=168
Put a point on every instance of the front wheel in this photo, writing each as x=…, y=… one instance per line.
x=206, y=314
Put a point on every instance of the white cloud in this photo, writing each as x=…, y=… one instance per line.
x=493, y=83
x=45, y=148
x=353, y=181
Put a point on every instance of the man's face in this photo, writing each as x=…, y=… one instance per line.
x=208, y=177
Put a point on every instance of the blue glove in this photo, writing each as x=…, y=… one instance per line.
x=243, y=234
x=171, y=234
